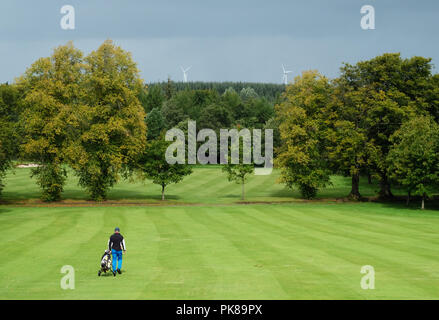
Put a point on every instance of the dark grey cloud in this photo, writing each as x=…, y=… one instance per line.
x=243, y=40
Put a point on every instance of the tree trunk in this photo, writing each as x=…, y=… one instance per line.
x=423, y=201
x=408, y=198
x=355, y=191
x=369, y=178
x=163, y=192
x=389, y=190
x=385, y=189
x=243, y=190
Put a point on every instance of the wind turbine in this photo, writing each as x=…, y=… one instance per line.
x=185, y=73
x=285, y=75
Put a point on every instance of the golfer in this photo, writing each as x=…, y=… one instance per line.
x=116, y=244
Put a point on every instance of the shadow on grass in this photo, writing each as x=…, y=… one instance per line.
x=232, y=196
x=4, y=210
x=107, y=274
x=415, y=203
x=339, y=188
x=113, y=194
x=149, y=197
x=285, y=193
x=110, y=274
x=118, y=194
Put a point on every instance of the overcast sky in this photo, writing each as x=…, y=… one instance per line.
x=236, y=40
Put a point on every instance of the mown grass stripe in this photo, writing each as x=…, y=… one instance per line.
x=369, y=250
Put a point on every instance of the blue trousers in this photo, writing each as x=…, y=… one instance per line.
x=117, y=259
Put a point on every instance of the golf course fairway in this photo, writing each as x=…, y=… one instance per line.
x=282, y=251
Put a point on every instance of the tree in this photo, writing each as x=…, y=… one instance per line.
x=52, y=92
x=239, y=172
x=176, y=108
x=395, y=90
x=269, y=91
x=112, y=130
x=413, y=159
x=263, y=111
x=152, y=98
x=8, y=132
x=302, y=156
x=155, y=123
x=215, y=116
x=154, y=166
x=5, y=161
x=248, y=94
x=350, y=151
x=273, y=124
x=232, y=100
x=169, y=89
x=187, y=104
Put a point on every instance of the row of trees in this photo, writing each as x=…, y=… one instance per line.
x=379, y=118
x=89, y=114
x=208, y=108
x=214, y=106
x=270, y=91
x=81, y=112
x=168, y=108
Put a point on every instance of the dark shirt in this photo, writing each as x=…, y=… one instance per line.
x=116, y=242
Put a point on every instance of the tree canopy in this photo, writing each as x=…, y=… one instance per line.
x=52, y=93
x=154, y=166
x=9, y=138
x=302, y=156
x=345, y=125
x=413, y=160
x=113, y=131
x=84, y=112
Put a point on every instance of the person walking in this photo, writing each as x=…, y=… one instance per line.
x=116, y=245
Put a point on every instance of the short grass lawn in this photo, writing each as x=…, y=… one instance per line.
x=289, y=251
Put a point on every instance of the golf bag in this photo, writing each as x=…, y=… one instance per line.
x=105, y=262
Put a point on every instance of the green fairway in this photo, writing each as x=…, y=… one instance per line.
x=208, y=185
x=217, y=249
x=297, y=251
x=185, y=154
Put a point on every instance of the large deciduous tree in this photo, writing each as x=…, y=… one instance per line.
x=302, y=155
x=52, y=92
x=112, y=130
x=413, y=160
x=8, y=129
x=350, y=150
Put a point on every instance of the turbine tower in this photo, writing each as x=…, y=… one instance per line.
x=285, y=75
x=185, y=73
